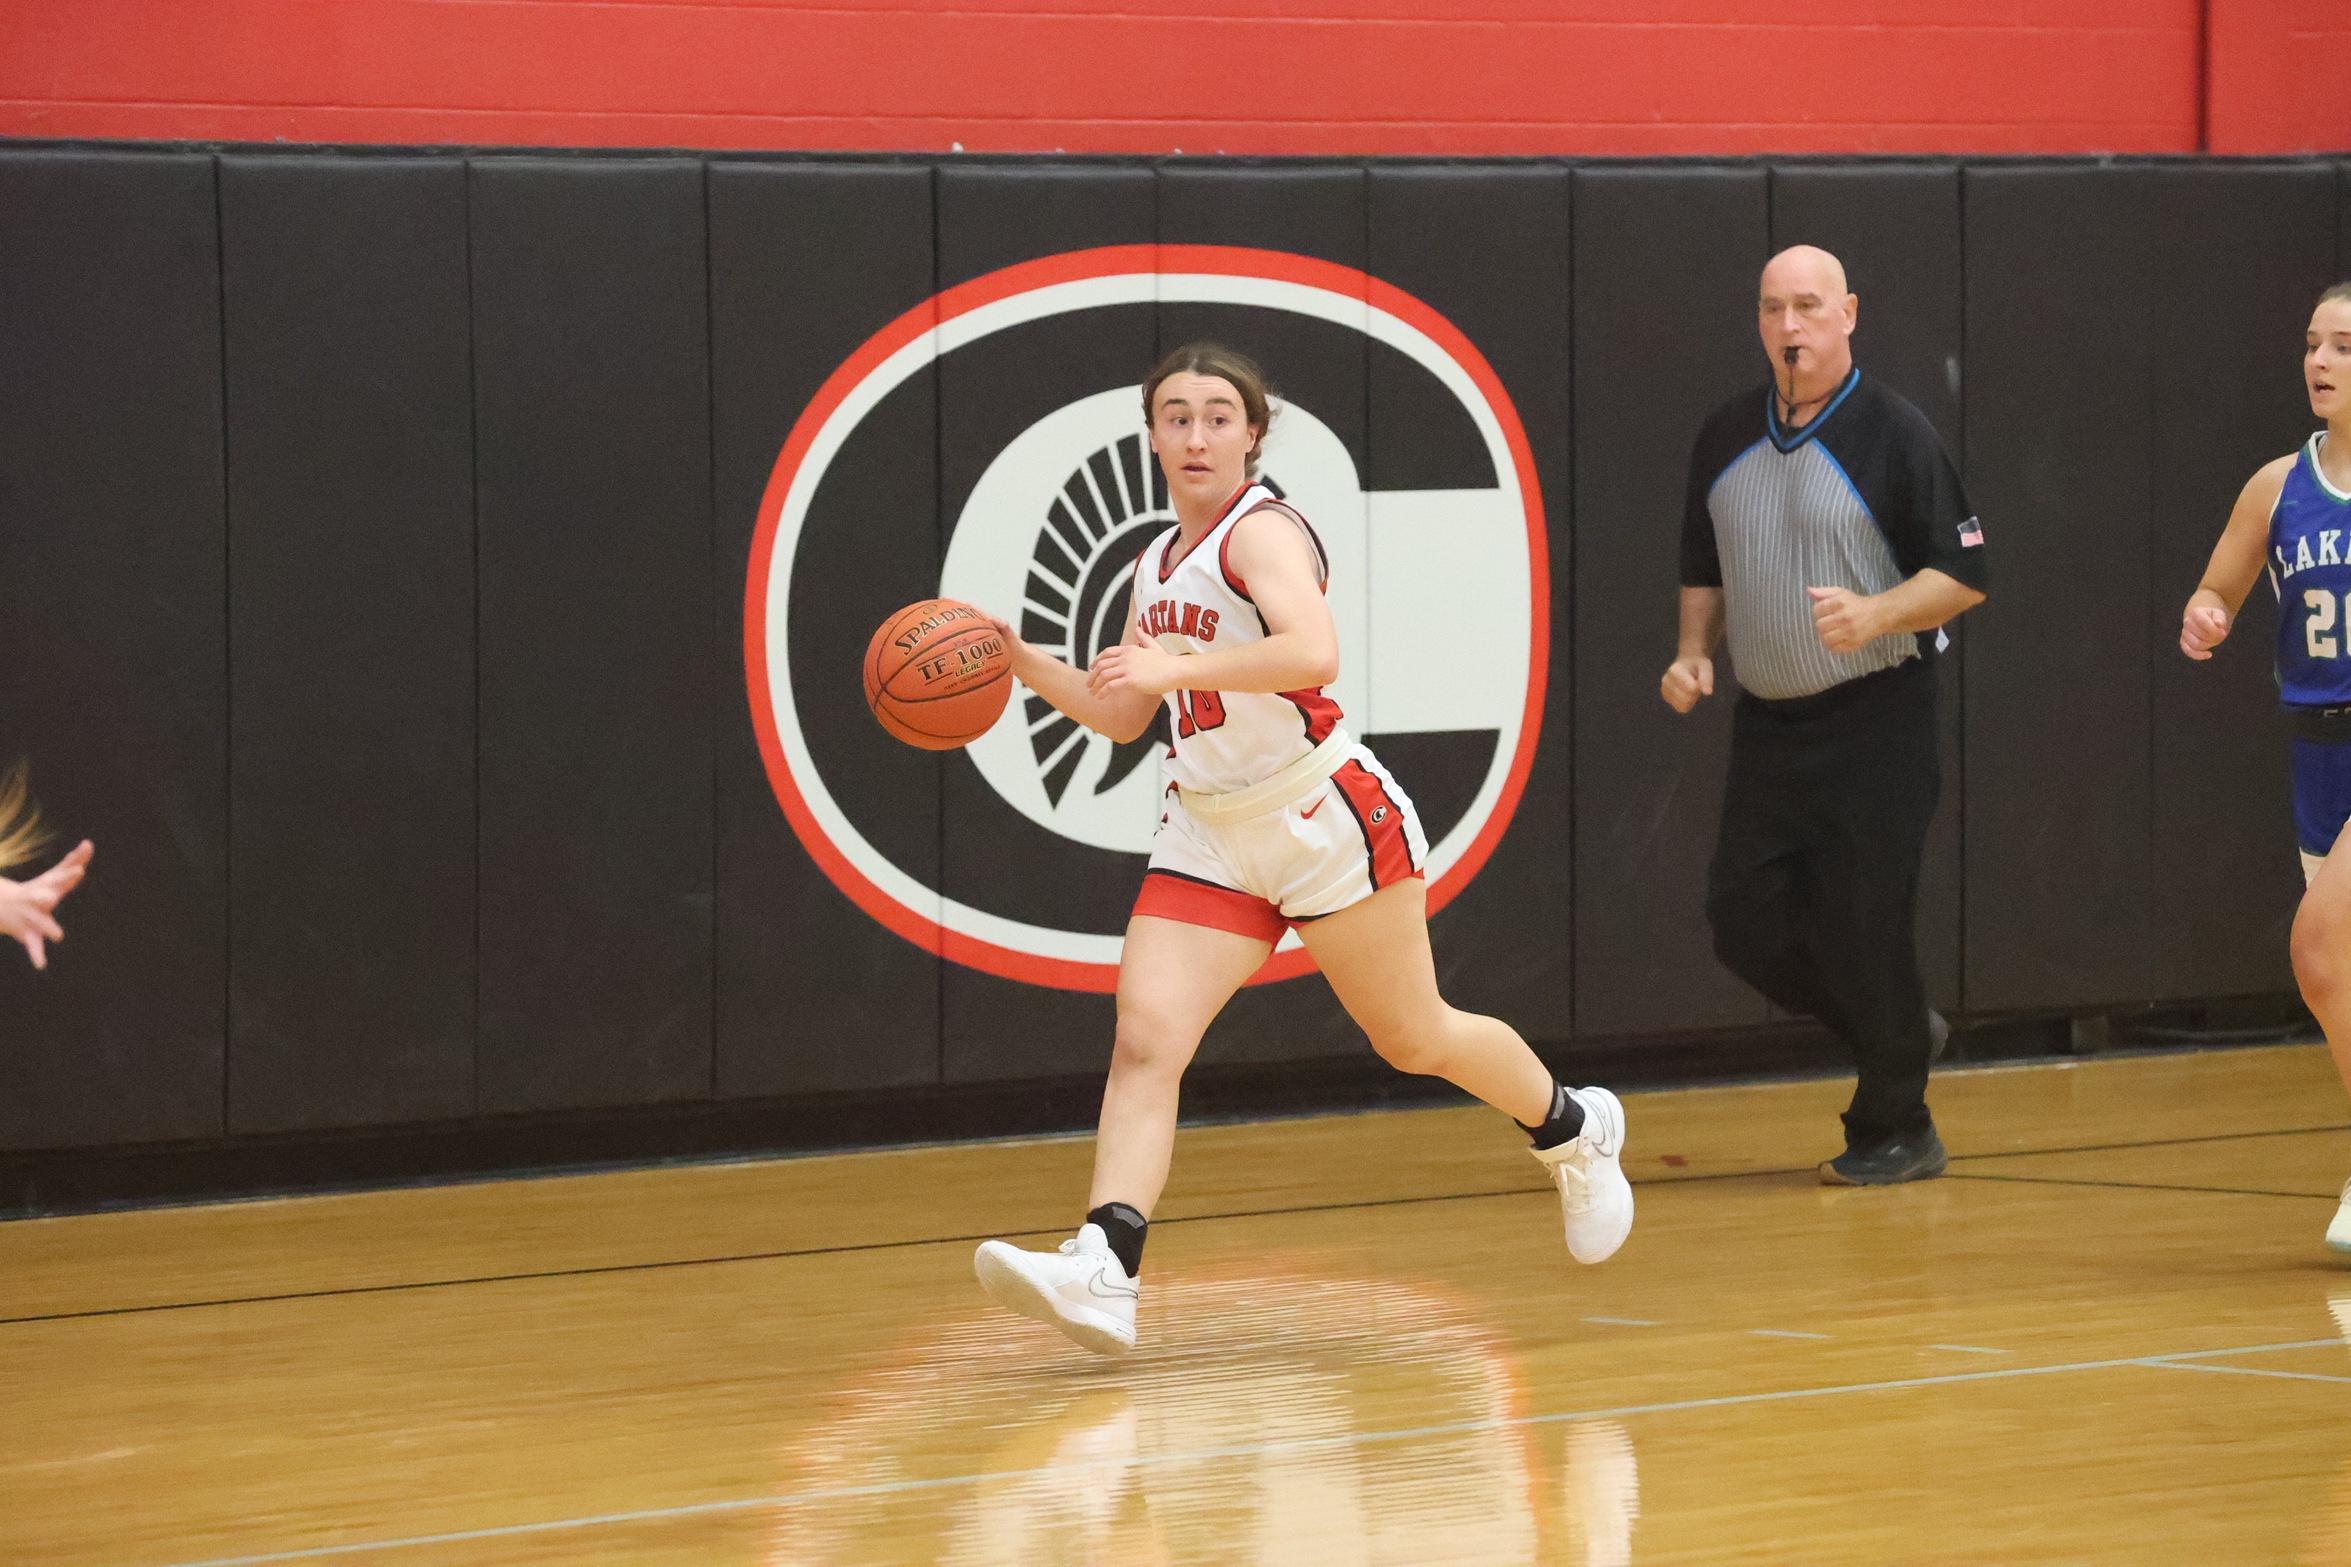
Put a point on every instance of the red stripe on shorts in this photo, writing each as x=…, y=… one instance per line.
x=1169, y=896
x=1382, y=821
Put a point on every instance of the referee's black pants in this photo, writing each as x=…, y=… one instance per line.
x=1813, y=893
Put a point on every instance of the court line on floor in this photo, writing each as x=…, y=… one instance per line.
x=2162, y=1142
x=1243, y=1450
x=2251, y=1371
x=594, y=1270
x=597, y=1269
x=2136, y=1186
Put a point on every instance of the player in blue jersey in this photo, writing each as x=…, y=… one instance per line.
x=2294, y=521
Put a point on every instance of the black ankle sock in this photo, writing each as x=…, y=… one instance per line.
x=1126, y=1229
x=1563, y=1124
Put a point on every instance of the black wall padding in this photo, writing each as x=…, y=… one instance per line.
x=1896, y=228
x=1488, y=249
x=993, y=857
x=1666, y=262
x=993, y=216
x=112, y=637
x=374, y=535
x=2253, y=248
x=812, y=993
x=2062, y=351
x=592, y=402
x=1315, y=212
x=351, y=623
x=1315, y=366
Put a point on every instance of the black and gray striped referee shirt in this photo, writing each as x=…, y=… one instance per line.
x=1864, y=497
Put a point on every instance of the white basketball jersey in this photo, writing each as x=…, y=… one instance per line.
x=1197, y=603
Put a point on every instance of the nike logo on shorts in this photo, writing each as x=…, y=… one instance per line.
x=1308, y=813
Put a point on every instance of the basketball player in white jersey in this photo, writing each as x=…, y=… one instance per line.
x=2293, y=522
x=1273, y=820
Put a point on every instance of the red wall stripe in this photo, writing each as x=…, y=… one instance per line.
x=2277, y=76
x=1295, y=76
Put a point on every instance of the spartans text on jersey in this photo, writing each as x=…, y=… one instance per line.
x=1168, y=617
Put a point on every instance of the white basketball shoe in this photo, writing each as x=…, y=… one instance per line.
x=1081, y=1289
x=1594, y=1197
x=2339, y=1232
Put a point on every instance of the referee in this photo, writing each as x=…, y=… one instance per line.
x=1827, y=533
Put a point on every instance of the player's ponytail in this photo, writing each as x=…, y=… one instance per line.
x=21, y=833
x=1217, y=360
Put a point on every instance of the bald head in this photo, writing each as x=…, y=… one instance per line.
x=1805, y=269
x=1806, y=316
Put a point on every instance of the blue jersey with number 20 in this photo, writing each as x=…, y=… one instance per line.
x=2310, y=565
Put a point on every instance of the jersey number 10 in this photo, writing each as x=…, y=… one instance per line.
x=2320, y=622
x=1198, y=710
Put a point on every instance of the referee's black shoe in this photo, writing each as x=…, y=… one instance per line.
x=1910, y=1156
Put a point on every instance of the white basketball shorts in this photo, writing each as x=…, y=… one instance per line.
x=1315, y=856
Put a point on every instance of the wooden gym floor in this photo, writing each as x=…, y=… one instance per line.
x=2112, y=1336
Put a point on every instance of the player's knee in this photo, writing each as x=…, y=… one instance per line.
x=2322, y=966
x=1406, y=1052
x=1419, y=1044
x=1148, y=1042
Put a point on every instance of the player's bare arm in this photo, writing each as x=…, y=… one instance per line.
x=1847, y=621
x=1122, y=715
x=1691, y=674
x=2236, y=563
x=1271, y=555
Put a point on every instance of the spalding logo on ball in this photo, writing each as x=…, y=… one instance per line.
x=937, y=674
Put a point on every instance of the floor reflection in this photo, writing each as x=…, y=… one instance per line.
x=1287, y=1417
x=2326, y=1541
x=1600, y=1493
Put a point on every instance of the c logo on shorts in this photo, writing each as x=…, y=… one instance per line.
x=1021, y=854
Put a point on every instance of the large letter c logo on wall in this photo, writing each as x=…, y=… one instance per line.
x=989, y=445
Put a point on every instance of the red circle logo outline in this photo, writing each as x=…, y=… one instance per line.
x=1072, y=266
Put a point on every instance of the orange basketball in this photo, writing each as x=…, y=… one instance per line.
x=937, y=675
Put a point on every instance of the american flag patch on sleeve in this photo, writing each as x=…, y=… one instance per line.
x=1971, y=534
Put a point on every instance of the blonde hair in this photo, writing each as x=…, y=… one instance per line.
x=21, y=833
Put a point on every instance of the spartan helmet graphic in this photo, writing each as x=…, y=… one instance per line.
x=1080, y=596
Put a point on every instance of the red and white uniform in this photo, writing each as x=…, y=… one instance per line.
x=1335, y=845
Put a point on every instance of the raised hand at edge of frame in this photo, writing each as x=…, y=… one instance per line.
x=2203, y=627
x=28, y=908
